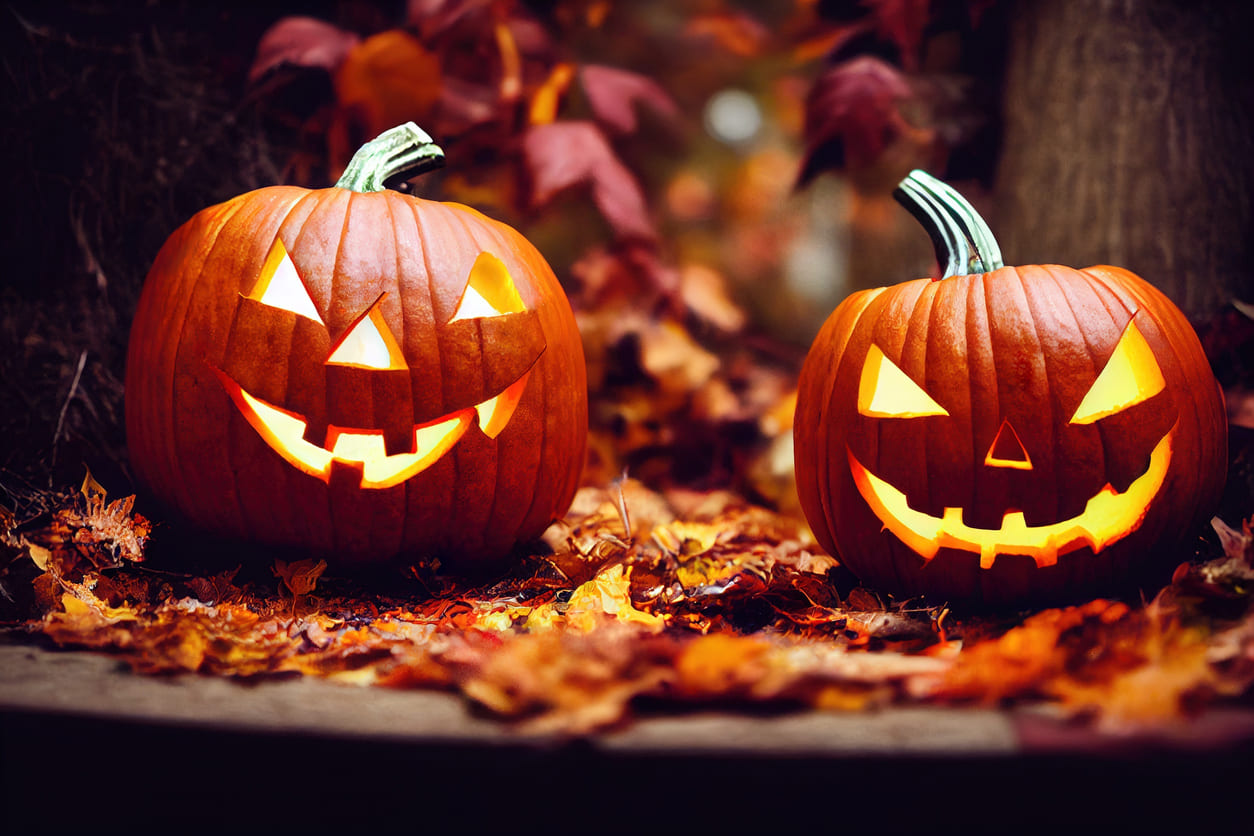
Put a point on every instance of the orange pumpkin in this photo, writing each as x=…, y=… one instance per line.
x=357, y=372
x=1006, y=435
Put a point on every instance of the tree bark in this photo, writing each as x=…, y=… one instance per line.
x=1129, y=141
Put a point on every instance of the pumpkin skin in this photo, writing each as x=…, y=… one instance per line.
x=953, y=439
x=387, y=340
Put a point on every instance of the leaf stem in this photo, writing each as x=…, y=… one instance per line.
x=964, y=243
x=404, y=151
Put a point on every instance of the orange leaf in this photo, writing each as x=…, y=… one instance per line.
x=385, y=80
x=545, y=102
x=608, y=594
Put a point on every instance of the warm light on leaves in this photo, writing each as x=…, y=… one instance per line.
x=572, y=656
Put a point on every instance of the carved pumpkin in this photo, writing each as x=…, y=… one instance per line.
x=1006, y=435
x=357, y=372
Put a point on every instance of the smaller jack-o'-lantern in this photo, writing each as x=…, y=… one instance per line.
x=357, y=372
x=1006, y=435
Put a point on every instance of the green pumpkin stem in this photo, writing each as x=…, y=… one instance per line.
x=964, y=243
x=405, y=150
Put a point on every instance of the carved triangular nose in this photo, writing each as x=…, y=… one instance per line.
x=1007, y=450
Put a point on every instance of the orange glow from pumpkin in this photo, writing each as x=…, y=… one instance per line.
x=495, y=413
x=489, y=291
x=1004, y=444
x=1130, y=376
x=885, y=391
x=280, y=285
x=284, y=432
x=1108, y=516
x=369, y=344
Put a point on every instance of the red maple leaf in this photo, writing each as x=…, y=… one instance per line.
x=614, y=94
x=301, y=42
x=852, y=114
x=567, y=155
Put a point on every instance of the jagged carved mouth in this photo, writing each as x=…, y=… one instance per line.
x=284, y=432
x=1108, y=516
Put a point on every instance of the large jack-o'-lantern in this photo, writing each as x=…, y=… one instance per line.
x=357, y=372
x=1006, y=435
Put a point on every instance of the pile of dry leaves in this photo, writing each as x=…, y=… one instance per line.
x=664, y=598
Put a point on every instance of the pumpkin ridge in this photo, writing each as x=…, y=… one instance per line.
x=1186, y=351
x=310, y=197
x=1062, y=302
x=939, y=378
x=156, y=426
x=467, y=241
x=403, y=528
x=515, y=247
x=299, y=216
x=918, y=329
x=420, y=227
x=1119, y=317
x=313, y=197
x=873, y=314
x=220, y=237
x=1045, y=454
x=870, y=311
x=183, y=304
x=423, y=221
x=243, y=469
x=915, y=333
x=341, y=524
x=338, y=270
x=153, y=426
x=991, y=390
x=1068, y=287
x=450, y=228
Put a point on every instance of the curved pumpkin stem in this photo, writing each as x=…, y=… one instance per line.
x=964, y=243
x=405, y=150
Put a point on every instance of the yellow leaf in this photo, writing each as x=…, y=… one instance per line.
x=608, y=593
x=77, y=607
x=40, y=555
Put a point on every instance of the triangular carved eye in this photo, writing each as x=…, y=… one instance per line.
x=885, y=391
x=1130, y=376
x=489, y=291
x=369, y=344
x=280, y=285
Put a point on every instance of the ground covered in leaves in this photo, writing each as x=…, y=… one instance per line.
x=638, y=597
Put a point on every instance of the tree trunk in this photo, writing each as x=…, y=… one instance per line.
x=1129, y=141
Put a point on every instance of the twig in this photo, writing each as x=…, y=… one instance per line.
x=56, y=437
x=622, y=505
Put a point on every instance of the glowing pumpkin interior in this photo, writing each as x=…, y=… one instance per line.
x=369, y=344
x=1130, y=376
